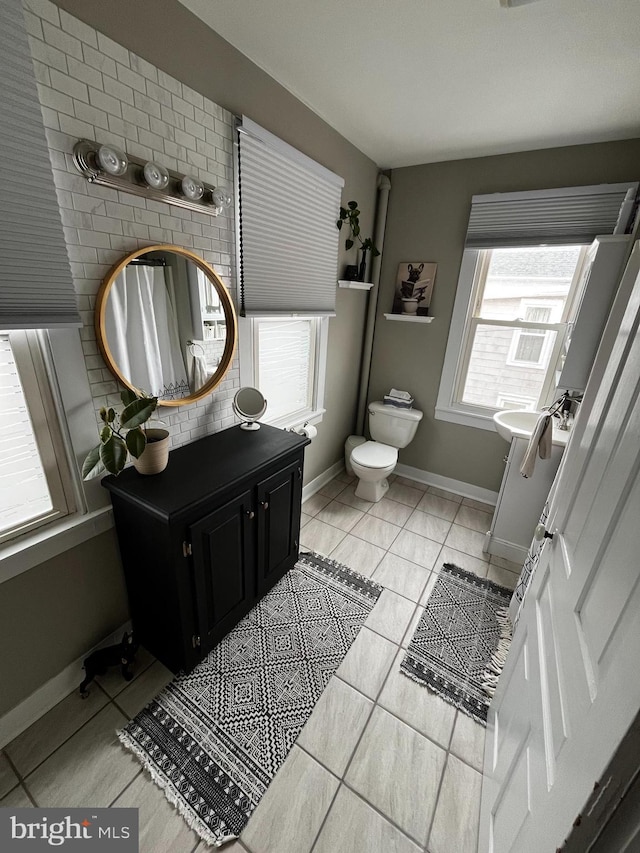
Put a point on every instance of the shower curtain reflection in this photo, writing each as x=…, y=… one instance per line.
x=142, y=331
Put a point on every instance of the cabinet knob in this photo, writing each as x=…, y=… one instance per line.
x=250, y=514
x=264, y=504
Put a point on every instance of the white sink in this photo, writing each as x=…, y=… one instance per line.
x=518, y=424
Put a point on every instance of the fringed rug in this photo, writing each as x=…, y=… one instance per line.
x=461, y=642
x=214, y=739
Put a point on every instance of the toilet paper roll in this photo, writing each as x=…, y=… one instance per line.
x=309, y=430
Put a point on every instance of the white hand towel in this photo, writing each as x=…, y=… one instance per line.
x=199, y=373
x=539, y=443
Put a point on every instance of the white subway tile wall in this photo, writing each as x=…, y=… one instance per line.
x=92, y=87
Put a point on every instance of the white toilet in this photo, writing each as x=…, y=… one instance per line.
x=373, y=461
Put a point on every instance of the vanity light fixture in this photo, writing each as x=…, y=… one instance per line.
x=155, y=175
x=192, y=188
x=112, y=160
x=108, y=166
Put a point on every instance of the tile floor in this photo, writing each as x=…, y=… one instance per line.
x=382, y=766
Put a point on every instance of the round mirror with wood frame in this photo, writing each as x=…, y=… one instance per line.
x=166, y=325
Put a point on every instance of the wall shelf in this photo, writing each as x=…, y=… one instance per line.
x=409, y=318
x=356, y=285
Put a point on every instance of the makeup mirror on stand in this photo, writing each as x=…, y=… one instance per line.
x=249, y=405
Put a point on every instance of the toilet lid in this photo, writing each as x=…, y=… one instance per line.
x=372, y=454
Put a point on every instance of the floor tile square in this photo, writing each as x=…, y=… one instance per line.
x=90, y=769
x=443, y=493
x=335, y=725
x=391, y=511
x=290, y=814
x=502, y=576
x=359, y=555
x=354, y=827
x=469, y=541
x=463, y=561
x=439, y=506
x=416, y=548
x=320, y=537
x=145, y=688
x=332, y=488
x=315, y=503
x=506, y=564
x=376, y=531
x=348, y=496
x=367, y=663
x=35, y=744
x=404, y=494
x=402, y=576
x=8, y=779
x=468, y=741
x=395, y=769
x=391, y=616
x=16, y=799
x=455, y=825
x=414, y=484
x=430, y=526
x=340, y=515
x=417, y=706
x=485, y=507
x=476, y=519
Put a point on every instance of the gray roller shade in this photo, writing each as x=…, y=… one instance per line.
x=36, y=288
x=549, y=217
x=289, y=205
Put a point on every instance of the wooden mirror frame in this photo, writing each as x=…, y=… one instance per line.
x=231, y=321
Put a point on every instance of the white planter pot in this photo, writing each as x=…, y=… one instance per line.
x=155, y=457
x=409, y=306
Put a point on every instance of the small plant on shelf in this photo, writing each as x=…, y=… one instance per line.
x=121, y=434
x=351, y=215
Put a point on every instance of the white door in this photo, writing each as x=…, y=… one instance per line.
x=570, y=687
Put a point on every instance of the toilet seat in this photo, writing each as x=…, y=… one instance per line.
x=373, y=454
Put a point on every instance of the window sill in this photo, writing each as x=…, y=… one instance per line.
x=458, y=416
x=20, y=555
x=314, y=418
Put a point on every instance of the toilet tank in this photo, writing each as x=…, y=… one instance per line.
x=392, y=426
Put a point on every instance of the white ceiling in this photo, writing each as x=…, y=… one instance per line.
x=418, y=81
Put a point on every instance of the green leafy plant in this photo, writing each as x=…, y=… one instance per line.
x=121, y=435
x=351, y=215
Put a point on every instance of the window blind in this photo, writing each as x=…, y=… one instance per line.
x=558, y=216
x=36, y=288
x=284, y=371
x=288, y=207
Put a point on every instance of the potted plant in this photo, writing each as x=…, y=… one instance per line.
x=123, y=434
x=351, y=215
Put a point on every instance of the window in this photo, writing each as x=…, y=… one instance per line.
x=34, y=485
x=520, y=304
x=286, y=360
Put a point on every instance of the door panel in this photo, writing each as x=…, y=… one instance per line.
x=279, y=498
x=581, y=613
x=222, y=555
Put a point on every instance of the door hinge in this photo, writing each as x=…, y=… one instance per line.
x=186, y=549
x=195, y=641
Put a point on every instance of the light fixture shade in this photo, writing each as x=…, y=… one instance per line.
x=192, y=188
x=155, y=175
x=112, y=160
x=220, y=198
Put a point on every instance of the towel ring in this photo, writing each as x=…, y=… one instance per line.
x=192, y=344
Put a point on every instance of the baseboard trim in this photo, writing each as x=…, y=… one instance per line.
x=18, y=719
x=322, y=479
x=507, y=550
x=458, y=487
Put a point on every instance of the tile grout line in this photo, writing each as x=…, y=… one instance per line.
x=21, y=781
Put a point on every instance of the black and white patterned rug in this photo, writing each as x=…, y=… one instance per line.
x=214, y=739
x=461, y=642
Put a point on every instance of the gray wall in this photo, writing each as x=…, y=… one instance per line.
x=57, y=611
x=428, y=215
x=53, y=614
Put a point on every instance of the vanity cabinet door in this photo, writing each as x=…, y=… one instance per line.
x=278, y=512
x=222, y=545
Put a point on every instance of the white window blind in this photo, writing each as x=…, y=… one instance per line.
x=558, y=216
x=289, y=205
x=31, y=490
x=285, y=369
x=36, y=288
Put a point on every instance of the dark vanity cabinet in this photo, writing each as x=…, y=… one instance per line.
x=205, y=539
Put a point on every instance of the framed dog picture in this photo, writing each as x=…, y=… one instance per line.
x=414, y=286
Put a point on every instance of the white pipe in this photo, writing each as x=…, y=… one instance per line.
x=384, y=187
